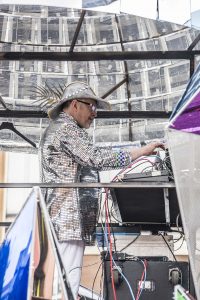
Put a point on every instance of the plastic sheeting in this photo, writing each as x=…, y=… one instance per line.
x=189, y=10
x=185, y=158
x=153, y=85
x=184, y=142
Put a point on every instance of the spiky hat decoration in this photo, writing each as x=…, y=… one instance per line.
x=59, y=95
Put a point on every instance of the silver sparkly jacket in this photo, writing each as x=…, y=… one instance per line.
x=68, y=155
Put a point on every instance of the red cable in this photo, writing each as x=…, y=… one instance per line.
x=131, y=164
x=109, y=234
x=140, y=282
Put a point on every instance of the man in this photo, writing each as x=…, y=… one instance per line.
x=68, y=155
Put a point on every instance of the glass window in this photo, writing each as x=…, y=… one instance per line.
x=14, y=29
x=44, y=31
x=105, y=30
x=133, y=64
x=22, y=30
x=28, y=9
x=53, y=66
x=105, y=83
x=165, y=27
x=105, y=66
x=156, y=81
x=4, y=83
x=93, y=3
x=27, y=66
x=52, y=81
x=79, y=67
x=179, y=76
x=26, y=82
x=53, y=31
x=136, y=104
x=177, y=42
x=157, y=104
x=57, y=11
x=130, y=28
x=4, y=8
x=83, y=33
x=135, y=85
x=1, y=27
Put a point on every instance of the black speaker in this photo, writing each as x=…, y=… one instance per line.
x=161, y=277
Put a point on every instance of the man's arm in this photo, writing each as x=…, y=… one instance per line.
x=145, y=150
x=76, y=143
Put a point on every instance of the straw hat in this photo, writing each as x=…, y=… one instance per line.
x=77, y=90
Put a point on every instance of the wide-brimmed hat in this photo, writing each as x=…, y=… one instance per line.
x=77, y=90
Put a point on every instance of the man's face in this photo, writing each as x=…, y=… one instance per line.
x=85, y=112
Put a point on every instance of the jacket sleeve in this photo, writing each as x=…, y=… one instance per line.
x=75, y=142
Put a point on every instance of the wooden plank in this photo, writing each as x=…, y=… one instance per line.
x=91, y=264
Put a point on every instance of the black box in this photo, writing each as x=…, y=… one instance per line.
x=161, y=276
x=147, y=207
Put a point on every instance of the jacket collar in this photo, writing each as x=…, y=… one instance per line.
x=67, y=117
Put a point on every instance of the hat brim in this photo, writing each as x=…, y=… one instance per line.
x=54, y=112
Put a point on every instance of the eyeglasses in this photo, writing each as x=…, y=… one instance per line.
x=91, y=105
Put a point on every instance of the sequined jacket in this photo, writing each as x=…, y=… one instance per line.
x=68, y=155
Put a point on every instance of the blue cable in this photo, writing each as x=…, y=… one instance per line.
x=127, y=282
x=129, y=286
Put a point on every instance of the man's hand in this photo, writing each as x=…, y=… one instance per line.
x=146, y=150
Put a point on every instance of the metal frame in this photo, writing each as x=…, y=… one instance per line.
x=5, y=224
x=95, y=56
x=100, y=114
x=194, y=43
x=127, y=76
x=166, y=200
x=77, y=31
x=100, y=55
x=136, y=184
x=164, y=185
x=114, y=88
x=91, y=56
